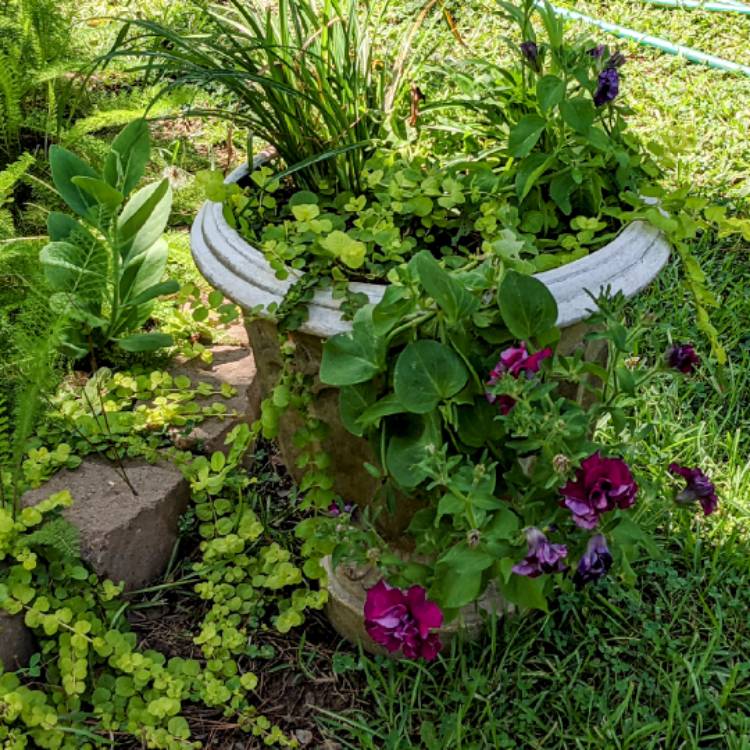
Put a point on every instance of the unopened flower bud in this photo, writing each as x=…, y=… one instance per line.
x=561, y=463
x=473, y=538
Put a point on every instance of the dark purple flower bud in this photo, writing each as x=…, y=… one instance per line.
x=542, y=556
x=595, y=563
x=699, y=487
x=597, y=52
x=683, y=357
x=403, y=620
x=600, y=485
x=617, y=60
x=531, y=54
x=530, y=51
x=608, y=87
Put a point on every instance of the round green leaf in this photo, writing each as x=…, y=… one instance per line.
x=426, y=373
x=527, y=306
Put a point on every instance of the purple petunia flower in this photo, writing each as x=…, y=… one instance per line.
x=699, y=487
x=514, y=361
x=595, y=563
x=542, y=556
x=608, y=87
x=683, y=357
x=597, y=52
x=402, y=620
x=335, y=510
x=601, y=485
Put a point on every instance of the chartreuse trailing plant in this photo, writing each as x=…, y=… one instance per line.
x=454, y=379
x=106, y=266
x=97, y=681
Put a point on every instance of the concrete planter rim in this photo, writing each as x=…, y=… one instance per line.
x=231, y=264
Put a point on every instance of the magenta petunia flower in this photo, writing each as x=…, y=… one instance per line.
x=542, y=556
x=595, y=563
x=403, y=620
x=683, y=357
x=699, y=487
x=601, y=485
x=514, y=361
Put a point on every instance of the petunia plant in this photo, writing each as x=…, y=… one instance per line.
x=495, y=475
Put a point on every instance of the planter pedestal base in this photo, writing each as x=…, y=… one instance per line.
x=347, y=591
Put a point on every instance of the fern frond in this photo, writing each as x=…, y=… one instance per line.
x=59, y=535
x=12, y=174
x=11, y=116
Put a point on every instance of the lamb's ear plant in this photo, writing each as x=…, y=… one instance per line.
x=105, y=266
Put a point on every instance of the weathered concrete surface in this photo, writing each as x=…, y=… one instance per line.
x=235, y=366
x=16, y=642
x=351, y=481
x=124, y=536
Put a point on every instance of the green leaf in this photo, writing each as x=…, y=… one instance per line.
x=561, y=188
x=353, y=401
x=478, y=424
x=65, y=228
x=144, y=219
x=145, y=342
x=408, y=448
x=349, y=251
x=157, y=290
x=395, y=306
x=465, y=559
x=420, y=205
x=426, y=373
x=449, y=295
x=143, y=272
x=102, y=193
x=65, y=166
x=77, y=270
x=385, y=407
x=353, y=357
x=128, y=156
x=550, y=91
x=525, y=592
x=530, y=170
x=527, y=306
x=453, y=590
x=578, y=113
x=525, y=134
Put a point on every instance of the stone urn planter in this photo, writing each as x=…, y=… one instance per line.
x=627, y=264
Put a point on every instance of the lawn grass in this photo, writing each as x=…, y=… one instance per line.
x=663, y=664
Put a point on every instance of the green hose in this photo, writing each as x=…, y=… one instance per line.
x=716, y=7
x=693, y=55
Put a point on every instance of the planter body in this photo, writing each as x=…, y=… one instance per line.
x=627, y=264
x=347, y=589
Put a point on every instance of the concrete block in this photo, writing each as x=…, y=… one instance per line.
x=16, y=642
x=124, y=536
